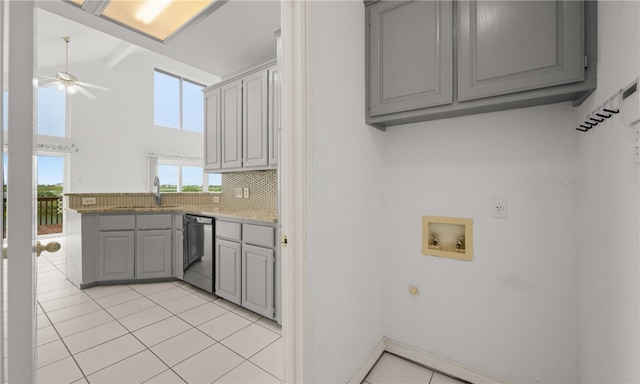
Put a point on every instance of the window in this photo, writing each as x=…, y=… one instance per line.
x=52, y=112
x=186, y=178
x=178, y=103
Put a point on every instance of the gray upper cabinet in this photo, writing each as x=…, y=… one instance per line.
x=513, y=46
x=410, y=57
x=231, y=112
x=212, y=148
x=242, y=120
x=274, y=114
x=254, y=120
x=508, y=54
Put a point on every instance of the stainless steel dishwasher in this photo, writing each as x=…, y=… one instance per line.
x=198, y=251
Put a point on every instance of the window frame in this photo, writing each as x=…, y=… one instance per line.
x=181, y=81
x=179, y=164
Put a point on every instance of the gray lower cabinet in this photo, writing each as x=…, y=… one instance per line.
x=134, y=246
x=508, y=54
x=116, y=255
x=258, y=279
x=228, y=270
x=153, y=254
x=245, y=266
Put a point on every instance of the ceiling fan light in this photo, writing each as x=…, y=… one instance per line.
x=71, y=89
x=61, y=87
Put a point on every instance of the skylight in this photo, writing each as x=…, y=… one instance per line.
x=159, y=19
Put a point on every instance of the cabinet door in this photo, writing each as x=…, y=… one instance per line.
x=153, y=254
x=227, y=263
x=512, y=46
x=274, y=114
x=116, y=255
x=410, y=55
x=231, y=126
x=258, y=280
x=254, y=120
x=212, y=150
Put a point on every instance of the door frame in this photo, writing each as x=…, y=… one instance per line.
x=21, y=234
x=295, y=174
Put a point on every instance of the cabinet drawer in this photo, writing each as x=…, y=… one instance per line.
x=259, y=235
x=229, y=230
x=154, y=221
x=116, y=222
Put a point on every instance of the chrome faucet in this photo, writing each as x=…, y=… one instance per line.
x=156, y=193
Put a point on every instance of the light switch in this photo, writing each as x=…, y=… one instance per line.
x=246, y=192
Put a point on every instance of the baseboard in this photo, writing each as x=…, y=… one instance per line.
x=369, y=362
x=441, y=364
x=421, y=357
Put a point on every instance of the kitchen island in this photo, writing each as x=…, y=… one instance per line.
x=131, y=240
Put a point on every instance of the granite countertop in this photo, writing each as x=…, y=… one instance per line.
x=260, y=215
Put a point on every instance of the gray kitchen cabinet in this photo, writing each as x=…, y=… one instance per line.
x=231, y=124
x=116, y=253
x=513, y=46
x=509, y=54
x=228, y=261
x=274, y=114
x=212, y=148
x=258, y=279
x=239, y=128
x=153, y=254
x=178, y=246
x=411, y=51
x=246, y=266
x=255, y=128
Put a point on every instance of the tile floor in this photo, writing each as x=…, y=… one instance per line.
x=164, y=332
x=393, y=369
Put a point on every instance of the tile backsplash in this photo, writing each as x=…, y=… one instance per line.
x=263, y=189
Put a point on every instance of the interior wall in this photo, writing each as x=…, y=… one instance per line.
x=345, y=290
x=513, y=311
x=114, y=132
x=608, y=205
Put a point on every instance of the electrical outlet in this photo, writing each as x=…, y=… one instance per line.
x=216, y=199
x=238, y=193
x=88, y=201
x=499, y=208
x=246, y=192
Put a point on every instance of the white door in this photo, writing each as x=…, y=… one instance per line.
x=19, y=357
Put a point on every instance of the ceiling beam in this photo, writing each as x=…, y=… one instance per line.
x=119, y=54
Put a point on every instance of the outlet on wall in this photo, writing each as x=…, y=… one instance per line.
x=246, y=192
x=499, y=208
x=238, y=193
x=88, y=201
x=216, y=199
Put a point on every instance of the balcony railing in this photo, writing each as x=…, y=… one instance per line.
x=49, y=215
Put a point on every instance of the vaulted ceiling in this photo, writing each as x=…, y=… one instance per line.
x=236, y=36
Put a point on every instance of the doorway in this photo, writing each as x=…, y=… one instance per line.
x=51, y=181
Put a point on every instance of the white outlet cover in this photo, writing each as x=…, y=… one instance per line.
x=246, y=192
x=499, y=208
x=238, y=193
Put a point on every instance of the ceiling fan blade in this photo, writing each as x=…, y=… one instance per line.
x=85, y=92
x=49, y=84
x=93, y=86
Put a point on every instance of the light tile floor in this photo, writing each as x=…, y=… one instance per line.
x=167, y=332
x=393, y=369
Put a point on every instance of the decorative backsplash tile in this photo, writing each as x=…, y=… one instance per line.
x=263, y=194
x=263, y=189
x=138, y=199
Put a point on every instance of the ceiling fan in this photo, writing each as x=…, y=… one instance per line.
x=69, y=83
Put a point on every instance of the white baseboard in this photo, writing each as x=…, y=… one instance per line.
x=369, y=362
x=419, y=356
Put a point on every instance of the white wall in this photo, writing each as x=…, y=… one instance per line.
x=608, y=212
x=513, y=310
x=345, y=298
x=116, y=130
